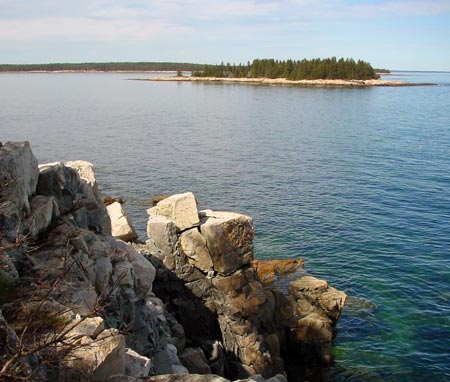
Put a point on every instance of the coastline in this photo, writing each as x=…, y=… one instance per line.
x=285, y=82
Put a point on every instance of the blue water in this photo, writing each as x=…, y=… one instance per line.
x=356, y=181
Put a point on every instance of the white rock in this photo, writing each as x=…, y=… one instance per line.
x=180, y=208
x=193, y=245
x=90, y=327
x=121, y=226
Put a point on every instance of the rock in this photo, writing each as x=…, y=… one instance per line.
x=167, y=362
x=9, y=277
x=229, y=237
x=195, y=361
x=97, y=359
x=18, y=174
x=193, y=245
x=103, y=272
x=156, y=199
x=87, y=326
x=107, y=200
x=163, y=233
x=121, y=226
x=136, y=365
x=317, y=293
x=43, y=210
x=74, y=194
x=144, y=272
x=315, y=309
x=185, y=378
x=215, y=355
x=268, y=269
x=10, y=222
x=180, y=208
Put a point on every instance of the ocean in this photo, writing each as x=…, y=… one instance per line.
x=355, y=181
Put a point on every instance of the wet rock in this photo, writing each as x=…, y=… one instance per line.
x=268, y=269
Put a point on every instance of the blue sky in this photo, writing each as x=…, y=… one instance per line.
x=395, y=34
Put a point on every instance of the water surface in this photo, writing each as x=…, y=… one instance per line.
x=356, y=181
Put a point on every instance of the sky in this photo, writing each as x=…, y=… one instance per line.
x=392, y=34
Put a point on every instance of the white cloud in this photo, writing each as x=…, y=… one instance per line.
x=79, y=29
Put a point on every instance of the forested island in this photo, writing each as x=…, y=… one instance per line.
x=293, y=70
x=102, y=67
x=329, y=68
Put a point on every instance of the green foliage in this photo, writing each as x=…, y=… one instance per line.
x=102, y=66
x=329, y=68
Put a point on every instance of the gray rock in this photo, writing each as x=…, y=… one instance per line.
x=136, y=365
x=18, y=174
x=98, y=216
x=103, y=272
x=43, y=210
x=10, y=222
x=74, y=195
x=180, y=208
x=195, y=361
x=167, y=362
x=144, y=272
x=163, y=233
x=121, y=226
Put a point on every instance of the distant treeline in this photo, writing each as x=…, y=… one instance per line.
x=382, y=71
x=102, y=66
x=328, y=68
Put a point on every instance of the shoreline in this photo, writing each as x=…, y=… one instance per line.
x=285, y=82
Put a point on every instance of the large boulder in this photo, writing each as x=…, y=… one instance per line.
x=315, y=309
x=229, y=237
x=73, y=195
x=180, y=208
x=18, y=174
x=121, y=226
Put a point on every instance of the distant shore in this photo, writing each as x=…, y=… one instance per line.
x=285, y=82
x=88, y=71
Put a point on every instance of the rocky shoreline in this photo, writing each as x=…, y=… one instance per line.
x=285, y=82
x=78, y=303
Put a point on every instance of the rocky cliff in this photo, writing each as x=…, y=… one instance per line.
x=79, y=304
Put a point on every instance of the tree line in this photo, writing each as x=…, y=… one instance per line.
x=328, y=68
x=102, y=66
